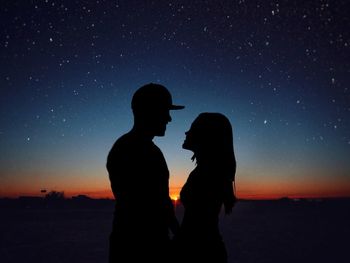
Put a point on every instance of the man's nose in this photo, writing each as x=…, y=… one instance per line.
x=169, y=118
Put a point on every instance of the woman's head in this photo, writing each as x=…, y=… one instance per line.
x=210, y=134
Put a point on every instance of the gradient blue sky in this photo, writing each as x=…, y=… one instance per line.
x=279, y=70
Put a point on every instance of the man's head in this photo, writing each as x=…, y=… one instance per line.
x=151, y=105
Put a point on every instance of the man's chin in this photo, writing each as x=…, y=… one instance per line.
x=160, y=133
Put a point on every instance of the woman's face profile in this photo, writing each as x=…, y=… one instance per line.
x=187, y=144
x=192, y=137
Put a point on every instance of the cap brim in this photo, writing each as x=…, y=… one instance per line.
x=176, y=107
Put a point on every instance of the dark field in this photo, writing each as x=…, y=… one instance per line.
x=257, y=231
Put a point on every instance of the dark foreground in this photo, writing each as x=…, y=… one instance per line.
x=257, y=231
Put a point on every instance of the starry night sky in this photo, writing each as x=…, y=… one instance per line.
x=279, y=70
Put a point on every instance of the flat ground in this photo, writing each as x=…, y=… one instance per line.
x=257, y=231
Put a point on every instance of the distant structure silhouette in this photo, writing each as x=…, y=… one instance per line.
x=208, y=188
x=138, y=171
x=54, y=195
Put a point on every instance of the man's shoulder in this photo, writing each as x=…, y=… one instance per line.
x=120, y=150
x=124, y=141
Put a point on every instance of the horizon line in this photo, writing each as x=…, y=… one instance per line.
x=251, y=198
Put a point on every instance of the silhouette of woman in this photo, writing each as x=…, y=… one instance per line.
x=208, y=187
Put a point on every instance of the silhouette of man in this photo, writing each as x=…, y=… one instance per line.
x=139, y=178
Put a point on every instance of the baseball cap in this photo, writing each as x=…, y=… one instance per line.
x=153, y=96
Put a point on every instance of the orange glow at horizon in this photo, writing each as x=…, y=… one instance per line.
x=294, y=189
x=251, y=193
x=247, y=187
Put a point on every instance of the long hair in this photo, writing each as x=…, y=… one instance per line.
x=214, y=139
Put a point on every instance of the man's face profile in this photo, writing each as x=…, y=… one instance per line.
x=153, y=120
x=158, y=121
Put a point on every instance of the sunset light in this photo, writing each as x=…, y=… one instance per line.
x=65, y=96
